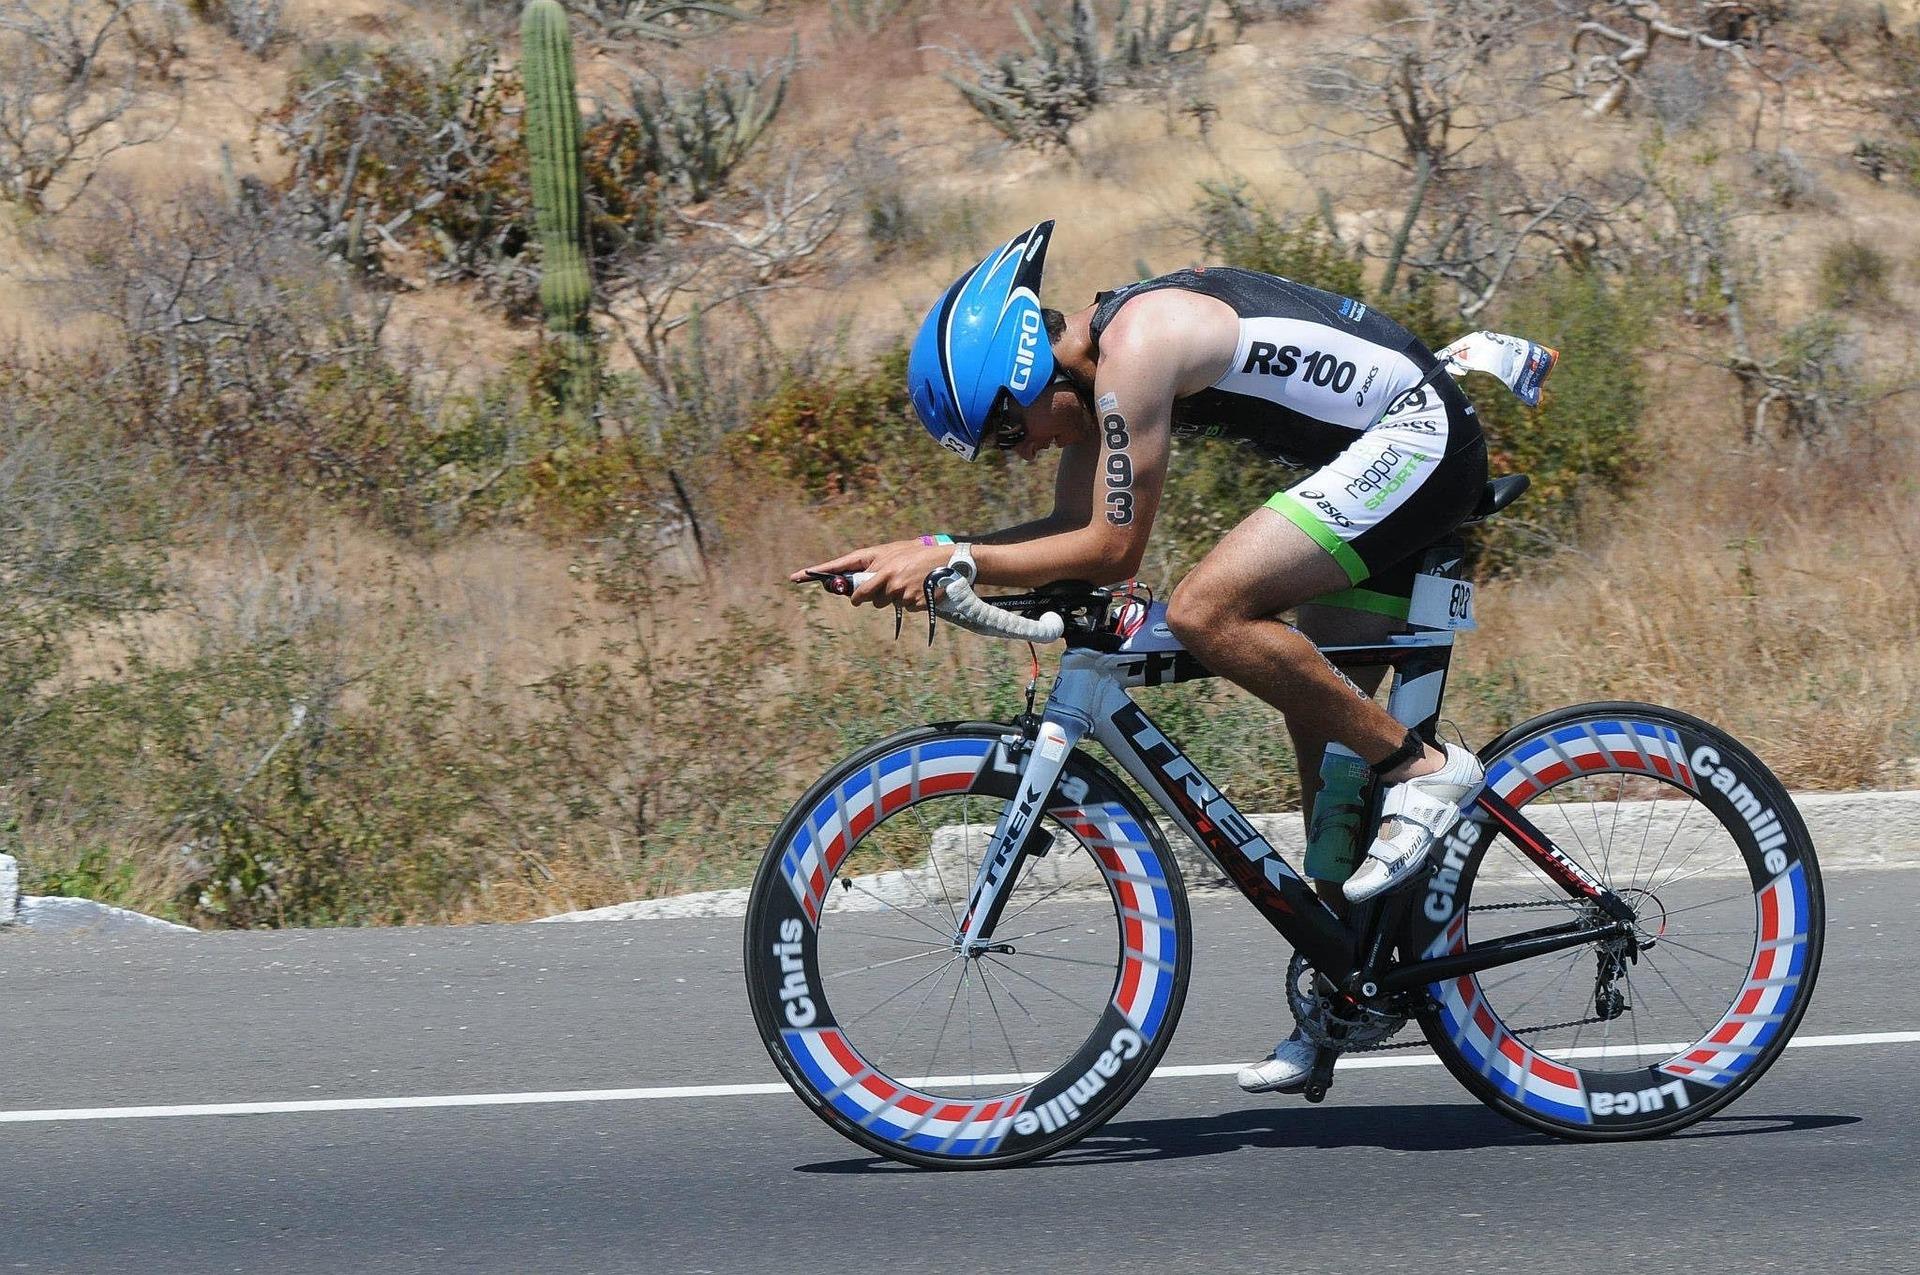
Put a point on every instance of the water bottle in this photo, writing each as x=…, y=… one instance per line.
x=1333, y=837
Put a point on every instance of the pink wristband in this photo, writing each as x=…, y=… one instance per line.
x=936, y=539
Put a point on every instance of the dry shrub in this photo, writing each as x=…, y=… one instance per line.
x=1774, y=596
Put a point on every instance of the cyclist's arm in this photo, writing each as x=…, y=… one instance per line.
x=1110, y=485
x=1072, y=503
x=1162, y=346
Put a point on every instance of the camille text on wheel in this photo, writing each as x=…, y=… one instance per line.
x=968, y=944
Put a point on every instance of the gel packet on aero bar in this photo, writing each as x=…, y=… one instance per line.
x=1519, y=364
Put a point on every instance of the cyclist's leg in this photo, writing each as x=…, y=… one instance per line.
x=1335, y=624
x=1396, y=489
x=1378, y=506
x=1227, y=612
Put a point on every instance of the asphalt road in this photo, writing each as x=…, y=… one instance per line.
x=1817, y=1168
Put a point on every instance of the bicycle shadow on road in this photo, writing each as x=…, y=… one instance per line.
x=1405, y=1127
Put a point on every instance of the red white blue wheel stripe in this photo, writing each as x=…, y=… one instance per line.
x=917, y=1120
x=1773, y=982
x=1521, y=1073
x=1150, y=946
x=1586, y=748
x=841, y=817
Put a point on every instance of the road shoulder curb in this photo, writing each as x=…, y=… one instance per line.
x=56, y=915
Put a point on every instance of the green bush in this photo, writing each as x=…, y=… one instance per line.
x=1584, y=438
x=1236, y=230
x=849, y=436
x=83, y=540
x=1853, y=273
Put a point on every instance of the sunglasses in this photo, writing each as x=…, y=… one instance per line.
x=1000, y=425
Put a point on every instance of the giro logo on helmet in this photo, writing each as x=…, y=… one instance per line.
x=1030, y=328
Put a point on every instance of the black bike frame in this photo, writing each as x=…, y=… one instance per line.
x=1090, y=700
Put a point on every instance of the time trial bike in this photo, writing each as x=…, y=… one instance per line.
x=969, y=943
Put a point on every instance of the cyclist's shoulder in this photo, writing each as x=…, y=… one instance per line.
x=1197, y=295
x=1171, y=331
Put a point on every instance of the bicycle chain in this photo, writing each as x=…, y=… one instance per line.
x=1522, y=1031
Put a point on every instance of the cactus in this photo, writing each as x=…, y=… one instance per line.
x=700, y=134
x=1035, y=99
x=553, y=149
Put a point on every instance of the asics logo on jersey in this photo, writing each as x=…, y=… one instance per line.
x=1321, y=369
x=1319, y=501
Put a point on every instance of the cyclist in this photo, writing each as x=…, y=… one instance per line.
x=1307, y=377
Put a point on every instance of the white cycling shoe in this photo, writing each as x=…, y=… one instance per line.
x=1286, y=1071
x=1425, y=807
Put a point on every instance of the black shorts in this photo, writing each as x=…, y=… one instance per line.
x=1400, y=486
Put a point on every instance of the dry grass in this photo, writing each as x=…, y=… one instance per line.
x=1770, y=590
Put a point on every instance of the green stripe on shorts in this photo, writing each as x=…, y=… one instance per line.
x=1303, y=517
x=1366, y=600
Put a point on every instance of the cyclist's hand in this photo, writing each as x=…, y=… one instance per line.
x=897, y=572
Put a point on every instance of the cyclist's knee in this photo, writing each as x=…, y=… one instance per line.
x=1195, y=613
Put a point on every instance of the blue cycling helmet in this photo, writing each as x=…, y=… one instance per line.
x=983, y=339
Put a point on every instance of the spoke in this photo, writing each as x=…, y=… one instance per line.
x=952, y=1002
x=1665, y=942
x=880, y=965
x=946, y=939
x=1525, y=970
x=1678, y=824
x=1070, y=960
x=891, y=997
x=973, y=1065
x=1000, y=1022
x=1592, y=811
x=1051, y=991
x=945, y=945
x=1592, y=864
x=910, y=872
x=1550, y=890
x=1693, y=1013
x=932, y=987
x=933, y=861
x=1686, y=857
x=1008, y=992
x=966, y=839
x=1613, y=825
x=1633, y=996
x=1735, y=857
x=1646, y=834
x=1695, y=907
x=1051, y=929
x=1014, y=916
x=1578, y=952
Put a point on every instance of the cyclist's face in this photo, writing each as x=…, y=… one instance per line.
x=1056, y=418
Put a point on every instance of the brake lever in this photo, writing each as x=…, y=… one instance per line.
x=929, y=585
x=838, y=583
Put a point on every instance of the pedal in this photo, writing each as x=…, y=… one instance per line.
x=1320, y=1079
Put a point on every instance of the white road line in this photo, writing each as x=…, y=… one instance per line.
x=1362, y=1063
